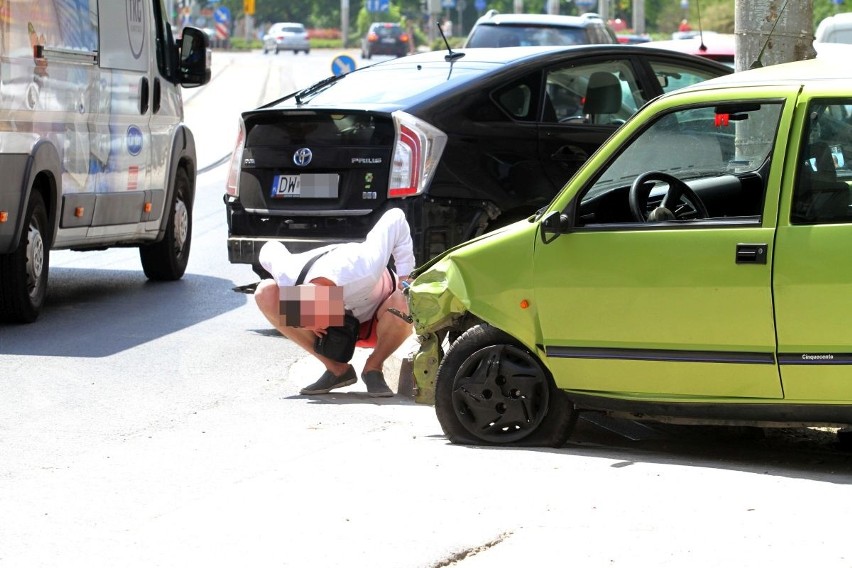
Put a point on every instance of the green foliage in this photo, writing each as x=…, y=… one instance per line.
x=242, y=44
x=662, y=16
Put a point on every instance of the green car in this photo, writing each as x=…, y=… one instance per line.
x=697, y=269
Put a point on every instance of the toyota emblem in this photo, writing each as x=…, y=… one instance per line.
x=303, y=157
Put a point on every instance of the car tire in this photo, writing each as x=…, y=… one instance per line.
x=491, y=390
x=23, y=272
x=166, y=260
x=367, y=54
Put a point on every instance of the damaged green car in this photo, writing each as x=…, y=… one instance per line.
x=695, y=270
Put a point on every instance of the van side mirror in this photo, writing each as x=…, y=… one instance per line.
x=553, y=225
x=194, y=58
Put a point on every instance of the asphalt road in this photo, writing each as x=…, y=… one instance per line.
x=159, y=424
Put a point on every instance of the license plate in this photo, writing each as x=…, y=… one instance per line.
x=314, y=186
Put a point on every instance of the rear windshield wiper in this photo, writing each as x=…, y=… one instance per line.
x=309, y=91
x=317, y=87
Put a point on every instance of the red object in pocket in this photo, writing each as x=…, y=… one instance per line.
x=367, y=333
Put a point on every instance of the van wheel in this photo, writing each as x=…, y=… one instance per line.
x=23, y=273
x=166, y=259
x=491, y=390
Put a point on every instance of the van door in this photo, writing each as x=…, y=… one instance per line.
x=125, y=39
x=679, y=303
x=813, y=272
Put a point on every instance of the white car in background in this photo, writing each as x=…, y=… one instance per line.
x=286, y=36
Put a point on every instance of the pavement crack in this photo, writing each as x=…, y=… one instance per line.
x=467, y=552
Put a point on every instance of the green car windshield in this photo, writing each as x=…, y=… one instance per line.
x=697, y=142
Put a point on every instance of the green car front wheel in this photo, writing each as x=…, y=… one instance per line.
x=491, y=390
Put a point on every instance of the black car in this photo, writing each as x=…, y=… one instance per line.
x=384, y=38
x=462, y=141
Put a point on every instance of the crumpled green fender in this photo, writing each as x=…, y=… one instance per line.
x=463, y=281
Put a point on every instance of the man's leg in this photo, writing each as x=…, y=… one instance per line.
x=267, y=298
x=391, y=331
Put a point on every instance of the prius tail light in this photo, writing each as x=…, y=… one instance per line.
x=233, y=185
x=417, y=150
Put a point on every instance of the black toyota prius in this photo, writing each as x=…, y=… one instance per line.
x=463, y=141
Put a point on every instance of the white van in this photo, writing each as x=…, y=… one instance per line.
x=93, y=149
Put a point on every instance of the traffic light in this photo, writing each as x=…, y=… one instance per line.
x=248, y=7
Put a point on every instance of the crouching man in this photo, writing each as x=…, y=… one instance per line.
x=359, y=274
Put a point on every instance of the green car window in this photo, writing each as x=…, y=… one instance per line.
x=723, y=147
x=822, y=192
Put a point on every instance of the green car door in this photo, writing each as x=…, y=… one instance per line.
x=813, y=270
x=657, y=282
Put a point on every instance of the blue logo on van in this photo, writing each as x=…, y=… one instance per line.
x=134, y=140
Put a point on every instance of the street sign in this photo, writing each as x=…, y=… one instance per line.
x=342, y=64
x=248, y=7
x=222, y=17
x=378, y=5
x=586, y=4
x=448, y=4
x=479, y=5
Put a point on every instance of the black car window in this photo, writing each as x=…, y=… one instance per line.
x=822, y=193
x=519, y=99
x=671, y=76
x=419, y=82
x=604, y=92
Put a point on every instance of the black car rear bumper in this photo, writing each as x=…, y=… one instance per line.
x=246, y=250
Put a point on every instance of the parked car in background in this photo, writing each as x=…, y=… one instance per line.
x=718, y=47
x=385, y=38
x=835, y=29
x=511, y=30
x=695, y=270
x=463, y=142
x=286, y=36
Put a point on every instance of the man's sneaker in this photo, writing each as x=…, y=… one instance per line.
x=329, y=381
x=376, y=385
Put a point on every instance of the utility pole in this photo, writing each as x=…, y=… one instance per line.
x=772, y=31
x=639, y=16
x=603, y=9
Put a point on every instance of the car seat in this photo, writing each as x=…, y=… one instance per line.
x=603, y=96
x=819, y=196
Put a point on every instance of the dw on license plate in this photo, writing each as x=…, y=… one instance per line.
x=316, y=186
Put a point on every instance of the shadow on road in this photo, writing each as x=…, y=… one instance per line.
x=805, y=453
x=97, y=313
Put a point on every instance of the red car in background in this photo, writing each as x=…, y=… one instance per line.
x=715, y=46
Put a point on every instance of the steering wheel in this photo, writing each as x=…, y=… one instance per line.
x=665, y=211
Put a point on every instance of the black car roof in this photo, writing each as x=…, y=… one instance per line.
x=462, y=69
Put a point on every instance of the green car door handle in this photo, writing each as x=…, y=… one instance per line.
x=751, y=253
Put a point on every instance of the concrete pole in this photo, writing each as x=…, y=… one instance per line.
x=772, y=31
x=603, y=9
x=344, y=21
x=249, y=26
x=552, y=6
x=639, y=16
x=518, y=6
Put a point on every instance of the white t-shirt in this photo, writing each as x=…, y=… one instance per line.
x=360, y=268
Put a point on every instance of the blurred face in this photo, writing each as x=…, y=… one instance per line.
x=311, y=307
